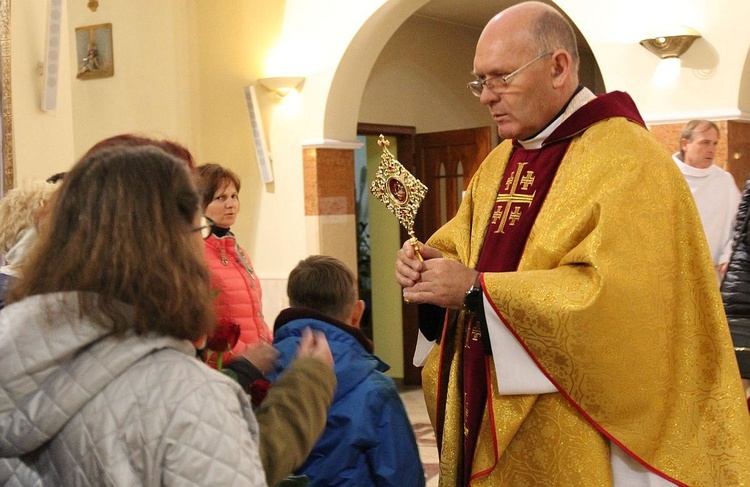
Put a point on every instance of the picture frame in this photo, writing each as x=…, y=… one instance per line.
x=94, y=51
x=7, y=176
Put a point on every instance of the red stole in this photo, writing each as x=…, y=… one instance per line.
x=527, y=179
x=522, y=190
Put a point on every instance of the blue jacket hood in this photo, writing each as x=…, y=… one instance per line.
x=349, y=346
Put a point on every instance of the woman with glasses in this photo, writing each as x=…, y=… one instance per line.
x=99, y=380
x=233, y=280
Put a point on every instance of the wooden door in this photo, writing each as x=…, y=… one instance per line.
x=738, y=151
x=446, y=161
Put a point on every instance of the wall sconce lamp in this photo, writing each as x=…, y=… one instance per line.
x=282, y=86
x=673, y=44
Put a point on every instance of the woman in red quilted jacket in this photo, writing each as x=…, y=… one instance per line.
x=233, y=280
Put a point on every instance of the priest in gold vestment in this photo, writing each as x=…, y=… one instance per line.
x=585, y=341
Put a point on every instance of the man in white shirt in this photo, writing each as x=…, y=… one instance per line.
x=714, y=189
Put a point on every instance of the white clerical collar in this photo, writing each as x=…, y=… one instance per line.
x=689, y=170
x=581, y=98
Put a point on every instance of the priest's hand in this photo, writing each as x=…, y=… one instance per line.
x=443, y=282
x=408, y=265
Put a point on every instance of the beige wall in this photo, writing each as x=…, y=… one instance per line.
x=706, y=84
x=418, y=73
x=154, y=89
x=43, y=141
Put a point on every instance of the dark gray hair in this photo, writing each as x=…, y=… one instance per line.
x=552, y=31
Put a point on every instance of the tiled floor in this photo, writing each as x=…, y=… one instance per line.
x=415, y=408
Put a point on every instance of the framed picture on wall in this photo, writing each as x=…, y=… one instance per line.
x=6, y=106
x=94, y=51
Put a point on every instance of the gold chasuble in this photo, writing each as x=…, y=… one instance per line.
x=593, y=256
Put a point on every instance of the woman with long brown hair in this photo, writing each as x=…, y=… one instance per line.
x=100, y=384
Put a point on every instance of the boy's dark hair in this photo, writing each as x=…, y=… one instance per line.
x=324, y=284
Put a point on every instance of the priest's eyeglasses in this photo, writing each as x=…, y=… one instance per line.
x=205, y=227
x=498, y=83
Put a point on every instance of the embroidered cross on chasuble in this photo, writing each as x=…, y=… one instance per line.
x=522, y=190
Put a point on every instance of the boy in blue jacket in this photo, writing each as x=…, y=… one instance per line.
x=368, y=440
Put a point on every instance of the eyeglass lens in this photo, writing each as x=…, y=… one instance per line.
x=495, y=82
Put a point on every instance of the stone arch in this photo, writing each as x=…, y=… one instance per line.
x=348, y=84
x=354, y=67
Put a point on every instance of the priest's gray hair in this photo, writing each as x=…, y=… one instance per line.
x=552, y=31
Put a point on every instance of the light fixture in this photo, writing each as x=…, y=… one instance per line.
x=282, y=86
x=672, y=42
x=93, y=5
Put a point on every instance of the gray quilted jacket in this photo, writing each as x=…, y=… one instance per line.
x=79, y=406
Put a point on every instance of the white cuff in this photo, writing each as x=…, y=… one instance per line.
x=422, y=349
x=516, y=372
